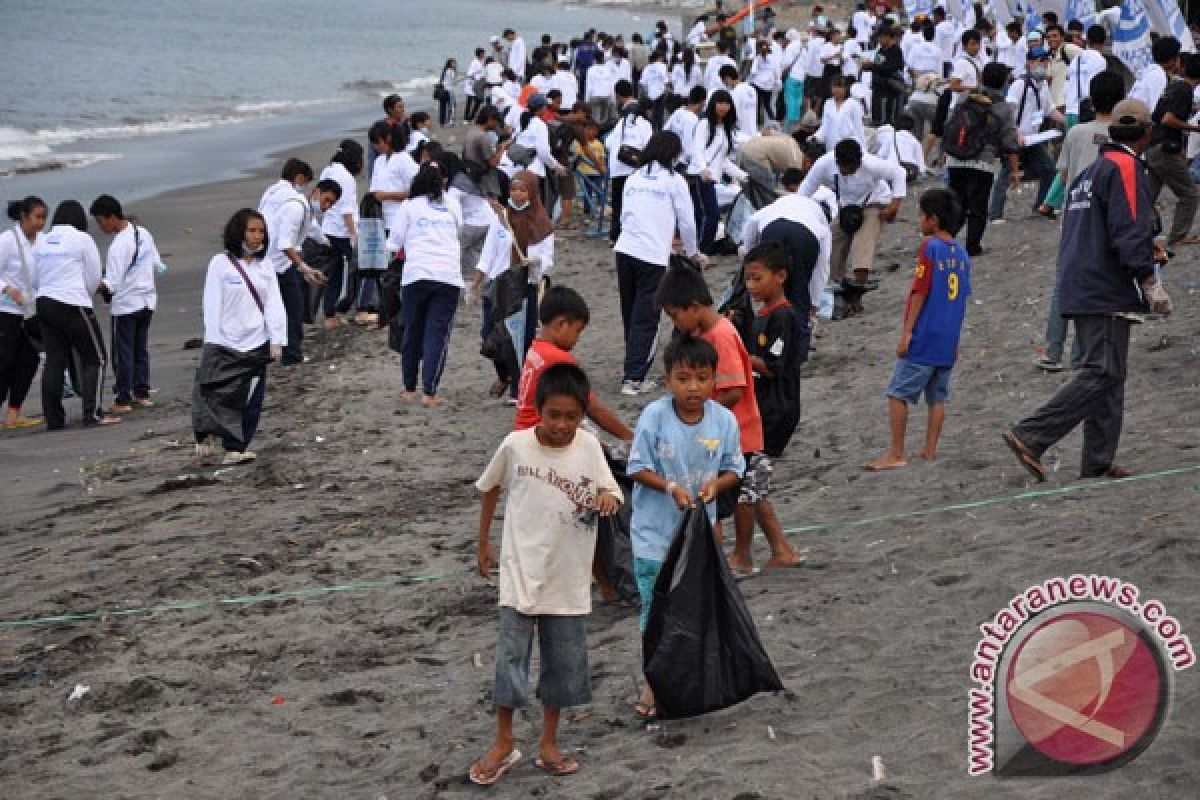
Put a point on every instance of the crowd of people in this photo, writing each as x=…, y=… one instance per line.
x=831, y=126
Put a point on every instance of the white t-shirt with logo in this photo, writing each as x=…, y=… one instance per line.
x=549, y=520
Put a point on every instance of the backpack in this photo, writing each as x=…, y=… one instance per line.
x=968, y=130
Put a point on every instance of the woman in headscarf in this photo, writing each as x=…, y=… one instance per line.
x=517, y=255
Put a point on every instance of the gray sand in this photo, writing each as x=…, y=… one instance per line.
x=379, y=690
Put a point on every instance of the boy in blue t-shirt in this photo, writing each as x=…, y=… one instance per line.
x=933, y=321
x=686, y=447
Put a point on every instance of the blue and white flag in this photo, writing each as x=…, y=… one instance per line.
x=1131, y=42
x=1166, y=19
x=914, y=7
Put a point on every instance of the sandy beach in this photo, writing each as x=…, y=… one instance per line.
x=321, y=632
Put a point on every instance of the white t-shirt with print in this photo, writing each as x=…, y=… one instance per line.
x=549, y=521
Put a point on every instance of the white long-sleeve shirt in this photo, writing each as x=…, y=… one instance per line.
x=807, y=212
x=66, y=266
x=287, y=214
x=714, y=155
x=16, y=269
x=427, y=232
x=537, y=137
x=682, y=123
x=334, y=221
x=1036, y=105
x=622, y=69
x=600, y=81
x=855, y=189
x=654, y=79
x=839, y=123
x=1149, y=87
x=656, y=203
x=1087, y=65
x=745, y=101
x=762, y=73
x=633, y=130
x=565, y=81
x=795, y=60
x=130, y=275
x=898, y=147
x=516, y=56
x=925, y=57
x=393, y=173
x=712, y=77
x=682, y=81
x=231, y=316
x=496, y=257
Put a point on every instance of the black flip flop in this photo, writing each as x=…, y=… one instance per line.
x=1028, y=460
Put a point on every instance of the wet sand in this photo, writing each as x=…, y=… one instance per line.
x=376, y=691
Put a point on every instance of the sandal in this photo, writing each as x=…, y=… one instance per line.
x=559, y=769
x=1028, y=460
x=481, y=778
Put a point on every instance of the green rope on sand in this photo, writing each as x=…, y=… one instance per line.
x=251, y=599
x=1033, y=494
x=372, y=586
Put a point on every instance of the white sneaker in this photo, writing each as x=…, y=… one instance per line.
x=647, y=386
x=630, y=388
x=233, y=458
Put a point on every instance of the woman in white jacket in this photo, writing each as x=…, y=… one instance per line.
x=245, y=328
x=18, y=355
x=656, y=206
x=712, y=151
x=841, y=117
x=66, y=272
x=427, y=230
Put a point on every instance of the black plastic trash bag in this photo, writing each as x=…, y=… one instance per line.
x=223, y=384
x=700, y=651
x=613, y=543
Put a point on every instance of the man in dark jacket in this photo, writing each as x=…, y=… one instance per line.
x=1106, y=258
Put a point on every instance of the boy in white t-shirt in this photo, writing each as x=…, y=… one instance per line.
x=559, y=484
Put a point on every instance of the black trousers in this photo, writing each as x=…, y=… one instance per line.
x=885, y=105
x=18, y=360
x=637, y=282
x=295, y=295
x=71, y=335
x=1095, y=396
x=131, y=355
x=765, y=112
x=974, y=190
x=337, y=294
x=615, y=192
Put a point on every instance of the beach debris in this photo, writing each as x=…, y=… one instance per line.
x=278, y=700
x=770, y=733
x=190, y=480
x=78, y=692
x=247, y=561
x=319, y=439
x=297, y=486
x=193, y=344
x=1163, y=343
x=877, y=771
x=477, y=660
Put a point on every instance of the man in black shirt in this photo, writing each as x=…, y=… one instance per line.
x=1166, y=159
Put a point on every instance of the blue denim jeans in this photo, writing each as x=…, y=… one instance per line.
x=1038, y=163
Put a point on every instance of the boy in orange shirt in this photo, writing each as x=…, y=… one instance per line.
x=684, y=297
x=563, y=315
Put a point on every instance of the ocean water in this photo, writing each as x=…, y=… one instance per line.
x=90, y=83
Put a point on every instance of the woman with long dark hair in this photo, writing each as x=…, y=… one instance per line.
x=517, y=254
x=427, y=230
x=712, y=148
x=66, y=272
x=245, y=328
x=18, y=326
x=686, y=74
x=656, y=205
x=447, y=107
x=340, y=226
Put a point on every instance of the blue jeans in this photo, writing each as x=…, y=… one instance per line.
x=1037, y=163
x=428, y=308
x=562, y=650
x=645, y=572
x=131, y=357
x=295, y=298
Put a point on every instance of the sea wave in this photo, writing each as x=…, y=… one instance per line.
x=386, y=87
x=53, y=162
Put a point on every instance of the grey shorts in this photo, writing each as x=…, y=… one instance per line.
x=562, y=648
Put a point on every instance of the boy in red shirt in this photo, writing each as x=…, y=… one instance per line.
x=684, y=297
x=563, y=314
